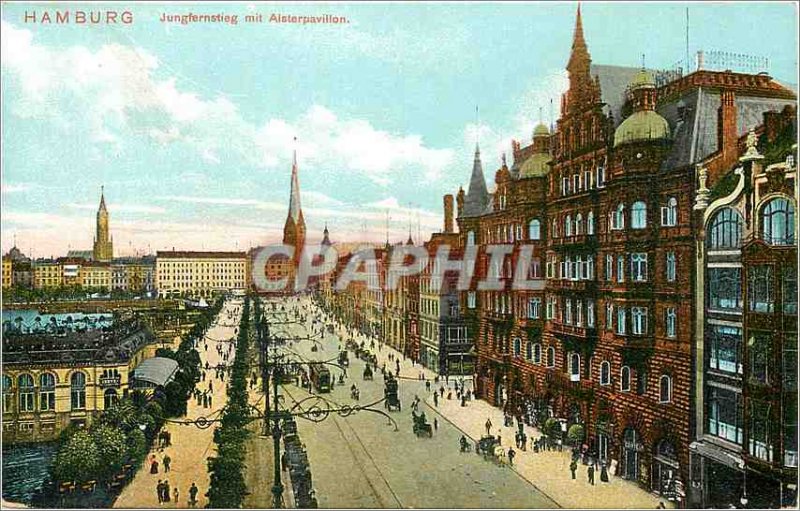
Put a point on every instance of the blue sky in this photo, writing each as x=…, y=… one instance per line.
x=190, y=127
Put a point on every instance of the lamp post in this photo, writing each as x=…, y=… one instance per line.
x=277, y=485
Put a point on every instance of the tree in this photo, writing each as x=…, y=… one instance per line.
x=575, y=434
x=137, y=445
x=112, y=448
x=552, y=427
x=78, y=459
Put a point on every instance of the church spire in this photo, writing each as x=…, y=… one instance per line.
x=102, y=198
x=579, y=59
x=477, y=198
x=295, y=211
x=294, y=230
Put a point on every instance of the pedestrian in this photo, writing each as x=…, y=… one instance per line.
x=284, y=461
x=463, y=401
x=450, y=394
x=590, y=474
x=573, y=466
x=436, y=424
x=166, y=491
x=603, y=472
x=154, y=466
x=435, y=399
x=661, y=505
x=427, y=385
x=511, y=455
x=209, y=401
x=167, y=462
x=160, y=491
x=488, y=427
x=175, y=495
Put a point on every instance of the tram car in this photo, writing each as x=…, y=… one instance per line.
x=390, y=394
x=321, y=377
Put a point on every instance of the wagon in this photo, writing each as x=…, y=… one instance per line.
x=367, y=372
x=392, y=402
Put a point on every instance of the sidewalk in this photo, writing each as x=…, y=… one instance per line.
x=547, y=470
x=190, y=444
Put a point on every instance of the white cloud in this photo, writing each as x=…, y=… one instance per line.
x=223, y=201
x=15, y=187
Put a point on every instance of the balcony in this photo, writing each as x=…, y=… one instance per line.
x=586, y=285
x=581, y=332
x=580, y=241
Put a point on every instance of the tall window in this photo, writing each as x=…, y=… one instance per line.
x=639, y=267
x=568, y=225
x=534, y=229
x=575, y=367
x=777, y=222
x=554, y=228
x=578, y=224
x=471, y=299
x=551, y=356
x=671, y=267
x=618, y=217
x=609, y=267
x=760, y=288
x=537, y=353
x=671, y=322
x=47, y=392
x=609, y=315
x=725, y=414
x=639, y=316
x=78, y=391
x=620, y=268
x=725, y=230
x=534, y=306
x=590, y=223
x=470, y=238
x=625, y=379
x=639, y=215
x=590, y=314
x=725, y=349
x=517, y=346
x=664, y=389
x=760, y=443
x=25, y=388
x=760, y=349
x=621, y=320
x=725, y=288
x=568, y=311
x=669, y=213
x=790, y=289
x=110, y=398
x=8, y=395
x=601, y=177
x=605, y=373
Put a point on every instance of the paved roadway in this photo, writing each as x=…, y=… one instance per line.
x=362, y=462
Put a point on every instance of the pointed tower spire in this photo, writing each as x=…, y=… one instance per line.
x=580, y=53
x=477, y=198
x=102, y=198
x=295, y=211
x=294, y=230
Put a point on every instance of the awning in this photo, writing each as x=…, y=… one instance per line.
x=156, y=370
x=717, y=454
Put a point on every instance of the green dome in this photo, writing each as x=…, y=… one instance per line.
x=541, y=129
x=643, y=78
x=642, y=126
x=535, y=166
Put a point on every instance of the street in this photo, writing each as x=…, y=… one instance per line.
x=361, y=461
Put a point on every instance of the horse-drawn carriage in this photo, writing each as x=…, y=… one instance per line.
x=490, y=447
x=367, y=372
x=344, y=359
x=390, y=394
x=421, y=426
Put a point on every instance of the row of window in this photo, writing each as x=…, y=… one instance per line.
x=47, y=397
x=776, y=220
x=534, y=354
x=725, y=288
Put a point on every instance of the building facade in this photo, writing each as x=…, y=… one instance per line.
x=199, y=274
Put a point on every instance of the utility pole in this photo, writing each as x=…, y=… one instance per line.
x=277, y=486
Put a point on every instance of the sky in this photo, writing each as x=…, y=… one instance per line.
x=190, y=128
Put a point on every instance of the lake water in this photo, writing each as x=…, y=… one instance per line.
x=25, y=470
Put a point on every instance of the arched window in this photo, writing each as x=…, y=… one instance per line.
x=470, y=238
x=575, y=367
x=777, y=222
x=605, y=372
x=25, y=387
x=529, y=351
x=537, y=353
x=639, y=215
x=664, y=389
x=519, y=231
x=511, y=233
x=110, y=398
x=578, y=224
x=590, y=223
x=47, y=392
x=551, y=357
x=568, y=225
x=725, y=229
x=78, y=391
x=625, y=379
x=554, y=228
x=534, y=230
x=517, y=346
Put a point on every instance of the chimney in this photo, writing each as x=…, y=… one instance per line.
x=727, y=134
x=448, y=213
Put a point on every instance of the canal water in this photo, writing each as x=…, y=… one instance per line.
x=25, y=470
